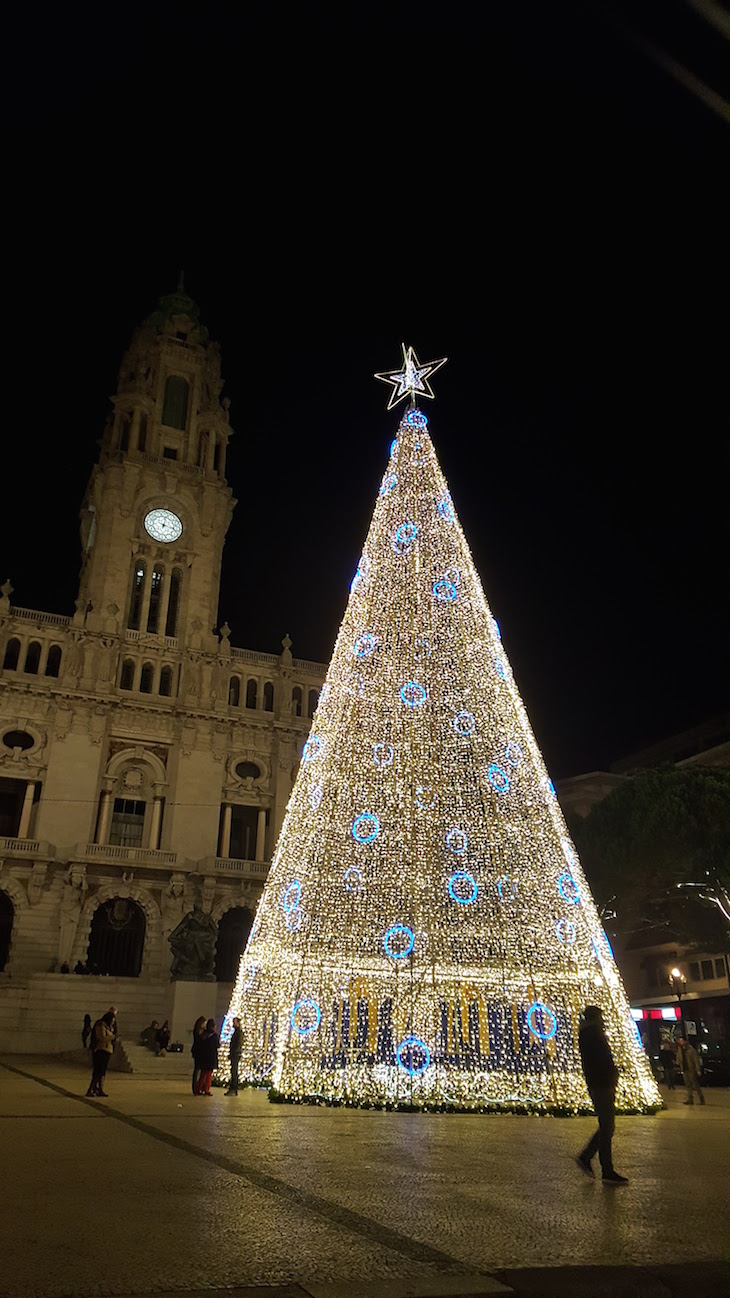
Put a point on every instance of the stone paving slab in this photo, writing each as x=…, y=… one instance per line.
x=239, y=1197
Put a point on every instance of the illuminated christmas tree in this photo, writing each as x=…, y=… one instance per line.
x=426, y=934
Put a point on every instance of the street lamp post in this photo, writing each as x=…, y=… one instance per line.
x=678, y=982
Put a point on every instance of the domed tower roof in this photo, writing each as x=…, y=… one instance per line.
x=177, y=313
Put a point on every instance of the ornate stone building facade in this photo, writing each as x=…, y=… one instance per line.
x=145, y=762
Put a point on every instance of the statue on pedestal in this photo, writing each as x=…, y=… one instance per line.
x=193, y=945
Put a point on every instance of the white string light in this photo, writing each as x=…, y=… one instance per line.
x=426, y=934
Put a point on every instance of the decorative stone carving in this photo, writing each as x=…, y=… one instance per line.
x=97, y=725
x=219, y=742
x=6, y=591
x=75, y=888
x=172, y=906
x=193, y=946
x=62, y=723
x=36, y=882
x=208, y=893
x=285, y=658
x=188, y=737
x=73, y=659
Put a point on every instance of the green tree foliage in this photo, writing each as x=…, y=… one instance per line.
x=657, y=852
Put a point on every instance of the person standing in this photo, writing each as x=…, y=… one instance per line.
x=102, y=1045
x=666, y=1055
x=86, y=1031
x=207, y=1057
x=198, y=1030
x=688, y=1063
x=601, y=1076
x=234, y=1055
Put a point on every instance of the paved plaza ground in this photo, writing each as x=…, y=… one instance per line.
x=154, y=1191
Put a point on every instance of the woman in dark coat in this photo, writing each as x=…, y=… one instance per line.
x=198, y=1031
x=207, y=1057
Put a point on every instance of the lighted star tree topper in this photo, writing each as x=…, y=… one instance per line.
x=426, y=934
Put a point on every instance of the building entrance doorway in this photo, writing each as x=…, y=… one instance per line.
x=116, y=939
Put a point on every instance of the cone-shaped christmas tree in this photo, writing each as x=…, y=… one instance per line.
x=426, y=934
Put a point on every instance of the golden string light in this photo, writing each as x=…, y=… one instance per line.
x=426, y=934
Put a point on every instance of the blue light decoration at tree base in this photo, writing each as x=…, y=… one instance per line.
x=426, y=935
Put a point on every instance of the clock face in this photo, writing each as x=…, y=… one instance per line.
x=163, y=525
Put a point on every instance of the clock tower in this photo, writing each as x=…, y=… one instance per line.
x=157, y=506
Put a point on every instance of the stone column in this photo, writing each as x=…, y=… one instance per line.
x=156, y=823
x=105, y=816
x=144, y=612
x=226, y=829
x=261, y=834
x=134, y=430
x=210, y=457
x=165, y=599
x=24, y=825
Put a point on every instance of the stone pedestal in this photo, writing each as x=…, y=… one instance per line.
x=189, y=1001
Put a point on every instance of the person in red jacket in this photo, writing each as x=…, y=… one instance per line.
x=601, y=1076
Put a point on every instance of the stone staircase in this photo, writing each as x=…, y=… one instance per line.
x=143, y=1063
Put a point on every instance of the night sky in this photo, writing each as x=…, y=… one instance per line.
x=529, y=193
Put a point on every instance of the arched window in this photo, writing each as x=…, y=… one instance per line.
x=126, y=679
x=145, y=680
x=296, y=701
x=7, y=915
x=175, y=404
x=142, y=437
x=251, y=692
x=135, y=603
x=32, y=658
x=173, y=604
x=116, y=938
x=124, y=433
x=166, y=681
x=12, y=654
x=234, y=692
x=153, y=613
x=233, y=930
x=268, y=697
x=248, y=771
x=312, y=704
x=53, y=661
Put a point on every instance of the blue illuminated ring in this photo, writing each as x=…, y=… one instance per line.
x=393, y=444
x=292, y=896
x=312, y=748
x=425, y=798
x=513, y=753
x=308, y=1005
x=364, y=645
x=544, y=1009
x=390, y=481
x=495, y=628
x=513, y=886
x=444, y=591
x=404, y=537
x=457, y=840
x=315, y=797
x=396, y=930
x=353, y=879
x=551, y=788
x=413, y=694
x=416, y=418
x=462, y=876
x=498, y=778
x=500, y=669
x=409, y=1044
x=445, y=507
x=382, y=754
x=464, y=723
x=365, y=827
x=565, y=929
x=567, y=881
